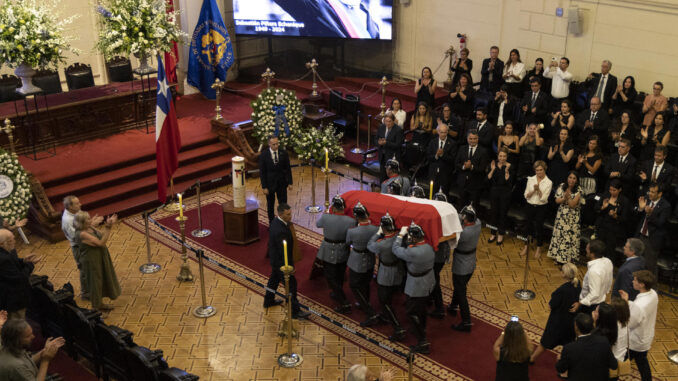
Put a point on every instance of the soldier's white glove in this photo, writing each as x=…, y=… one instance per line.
x=380, y=231
x=403, y=230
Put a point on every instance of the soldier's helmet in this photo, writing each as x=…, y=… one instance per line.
x=338, y=202
x=440, y=196
x=395, y=187
x=417, y=191
x=416, y=232
x=468, y=213
x=360, y=211
x=388, y=223
x=393, y=165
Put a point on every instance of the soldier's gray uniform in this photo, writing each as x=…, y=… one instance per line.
x=334, y=254
x=361, y=265
x=404, y=181
x=419, y=261
x=391, y=270
x=463, y=264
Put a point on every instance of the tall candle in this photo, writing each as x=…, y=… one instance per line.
x=327, y=159
x=430, y=192
x=181, y=206
x=285, y=251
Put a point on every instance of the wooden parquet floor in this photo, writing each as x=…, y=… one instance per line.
x=241, y=341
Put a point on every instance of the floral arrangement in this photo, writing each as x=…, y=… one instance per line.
x=15, y=188
x=311, y=144
x=139, y=27
x=276, y=112
x=32, y=33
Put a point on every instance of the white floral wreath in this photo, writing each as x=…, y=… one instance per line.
x=15, y=189
x=276, y=112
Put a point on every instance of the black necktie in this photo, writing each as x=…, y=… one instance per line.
x=470, y=152
x=593, y=116
x=534, y=99
x=442, y=144
x=275, y=157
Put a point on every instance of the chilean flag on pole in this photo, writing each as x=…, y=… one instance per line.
x=167, y=138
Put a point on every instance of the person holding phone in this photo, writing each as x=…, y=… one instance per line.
x=512, y=351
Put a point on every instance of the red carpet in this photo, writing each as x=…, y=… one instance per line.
x=453, y=354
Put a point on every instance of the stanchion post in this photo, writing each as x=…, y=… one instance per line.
x=204, y=311
x=313, y=208
x=357, y=148
x=673, y=356
x=289, y=359
x=410, y=365
x=185, y=274
x=218, y=86
x=525, y=293
x=148, y=267
x=200, y=232
x=313, y=65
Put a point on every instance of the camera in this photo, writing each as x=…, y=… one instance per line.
x=514, y=318
x=459, y=35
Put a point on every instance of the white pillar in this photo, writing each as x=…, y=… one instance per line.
x=238, y=170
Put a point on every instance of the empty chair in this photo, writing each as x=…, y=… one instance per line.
x=80, y=334
x=144, y=364
x=48, y=81
x=119, y=69
x=335, y=101
x=8, y=86
x=79, y=76
x=349, y=113
x=112, y=342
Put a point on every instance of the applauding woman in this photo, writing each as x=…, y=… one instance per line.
x=425, y=87
x=98, y=266
x=462, y=97
x=564, y=246
x=650, y=137
x=529, y=145
x=398, y=112
x=463, y=65
x=560, y=156
x=537, y=193
x=501, y=183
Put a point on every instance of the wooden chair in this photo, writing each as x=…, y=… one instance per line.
x=119, y=69
x=79, y=76
x=48, y=81
x=8, y=85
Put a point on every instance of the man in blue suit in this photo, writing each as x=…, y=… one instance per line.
x=634, y=262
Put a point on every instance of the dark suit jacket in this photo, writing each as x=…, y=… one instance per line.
x=507, y=114
x=485, y=84
x=542, y=106
x=321, y=20
x=394, y=143
x=485, y=136
x=656, y=224
x=627, y=171
x=474, y=178
x=588, y=358
x=15, y=287
x=610, y=88
x=278, y=232
x=601, y=124
x=444, y=163
x=624, y=280
x=664, y=178
x=275, y=176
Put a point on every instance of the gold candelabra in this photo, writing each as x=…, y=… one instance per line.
x=289, y=359
x=185, y=274
x=450, y=54
x=313, y=65
x=267, y=76
x=383, y=84
x=8, y=128
x=218, y=86
x=327, y=189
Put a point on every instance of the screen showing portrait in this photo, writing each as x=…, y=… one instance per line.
x=350, y=19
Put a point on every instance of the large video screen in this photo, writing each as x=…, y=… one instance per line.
x=350, y=19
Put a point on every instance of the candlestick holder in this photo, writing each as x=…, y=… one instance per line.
x=185, y=274
x=327, y=188
x=218, y=86
x=313, y=208
x=289, y=359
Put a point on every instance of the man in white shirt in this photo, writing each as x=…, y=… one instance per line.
x=598, y=279
x=642, y=333
x=560, y=87
x=71, y=207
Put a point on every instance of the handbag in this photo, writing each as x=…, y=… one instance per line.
x=623, y=367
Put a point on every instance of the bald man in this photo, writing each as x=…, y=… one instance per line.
x=15, y=288
x=441, y=153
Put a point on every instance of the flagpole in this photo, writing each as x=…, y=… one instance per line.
x=172, y=207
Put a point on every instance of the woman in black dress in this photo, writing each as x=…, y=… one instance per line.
x=560, y=324
x=624, y=128
x=462, y=98
x=588, y=167
x=421, y=125
x=510, y=141
x=530, y=144
x=614, y=213
x=501, y=178
x=564, y=117
x=624, y=97
x=656, y=133
x=560, y=157
x=425, y=87
x=512, y=351
x=463, y=65
x=538, y=72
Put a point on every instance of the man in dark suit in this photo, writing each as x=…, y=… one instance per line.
x=592, y=121
x=491, y=72
x=484, y=129
x=329, y=18
x=390, y=142
x=278, y=232
x=651, y=229
x=622, y=166
x=657, y=171
x=471, y=164
x=441, y=153
x=633, y=251
x=275, y=174
x=15, y=288
x=589, y=357
x=535, y=104
x=602, y=85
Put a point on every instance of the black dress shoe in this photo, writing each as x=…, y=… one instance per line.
x=452, y=310
x=398, y=334
x=301, y=315
x=462, y=327
x=438, y=314
x=491, y=239
x=371, y=321
x=499, y=243
x=274, y=303
x=343, y=309
x=423, y=347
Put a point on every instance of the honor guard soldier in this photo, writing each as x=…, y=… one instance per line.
x=395, y=187
x=417, y=191
x=442, y=257
x=334, y=251
x=463, y=265
x=419, y=257
x=361, y=262
x=393, y=173
x=390, y=274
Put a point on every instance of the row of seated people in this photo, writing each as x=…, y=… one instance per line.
x=78, y=76
x=109, y=349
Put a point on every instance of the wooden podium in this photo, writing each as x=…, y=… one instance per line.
x=241, y=225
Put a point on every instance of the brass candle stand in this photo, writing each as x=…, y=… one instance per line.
x=8, y=128
x=450, y=52
x=313, y=208
x=383, y=84
x=267, y=76
x=185, y=274
x=218, y=86
x=327, y=188
x=313, y=65
x=172, y=207
x=289, y=359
